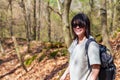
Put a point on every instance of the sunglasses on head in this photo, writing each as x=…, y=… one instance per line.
x=79, y=25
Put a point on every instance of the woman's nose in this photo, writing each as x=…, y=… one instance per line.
x=77, y=26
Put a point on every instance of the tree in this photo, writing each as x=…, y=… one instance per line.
x=104, y=24
x=11, y=17
x=27, y=22
x=2, y=24
x=38, y=19
x=18, y=53
x=117, y=16
x=35, y=21
x=65, y=20
x=91, y=2
x=48, y=20
x=64, y=8
x=111, y=15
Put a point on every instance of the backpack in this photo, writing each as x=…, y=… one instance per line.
x=107, y=68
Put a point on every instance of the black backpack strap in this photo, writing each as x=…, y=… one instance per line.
x=86, y=48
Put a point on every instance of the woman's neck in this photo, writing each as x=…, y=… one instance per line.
x=81, y=38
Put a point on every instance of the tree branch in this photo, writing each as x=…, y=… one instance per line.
x=55, y=11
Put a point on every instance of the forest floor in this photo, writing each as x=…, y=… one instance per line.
x=44, y=66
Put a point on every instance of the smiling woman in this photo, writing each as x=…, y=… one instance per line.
x=79, y=30
x=81, y=21
x=78, y=64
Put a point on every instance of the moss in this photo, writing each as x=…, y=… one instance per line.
x=64, y=52
x=41, y=57
x=53, y=54
x=30, y=60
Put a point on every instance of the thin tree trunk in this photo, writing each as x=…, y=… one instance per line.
x=2, y=26
x=39, y=20
x=104, y=25
x=35, y=19
x=91, y=2
x=48, y=13
x=111, y=16
x=26, y=22
x=117, y=16
x=11, y=17
x=65, y=19
x=18, y=53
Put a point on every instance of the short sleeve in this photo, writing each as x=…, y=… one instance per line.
x=93, y=53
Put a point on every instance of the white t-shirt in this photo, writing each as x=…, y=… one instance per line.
x=78, y=59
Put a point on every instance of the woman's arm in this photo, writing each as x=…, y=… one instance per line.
x=95, y=72
x=65, y=74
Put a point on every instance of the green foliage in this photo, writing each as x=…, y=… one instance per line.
x=84, y=0
x=41, y=58
x=56, y=17
x=118, y=30
x=30, y=60
x=64, y=52
x=53, y=2
x=53, y=54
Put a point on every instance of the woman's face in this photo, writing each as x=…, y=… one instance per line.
x=79, y=30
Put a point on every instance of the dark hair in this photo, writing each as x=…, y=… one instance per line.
x=82, y=19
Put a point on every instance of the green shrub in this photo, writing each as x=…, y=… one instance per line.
x=53, y=54
x=30, y=60
x=41, y=58
x=64, y=52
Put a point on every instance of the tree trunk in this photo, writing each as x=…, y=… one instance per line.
x=2, y=25
x=65, y=20
x=117, y=16
x=91, y=2
x=26, y=14
x=112, y=16
x=104, y=25
x=18, y=53
x=35, y=21
x=11, y=17
x=38, y=19
x=48, y=13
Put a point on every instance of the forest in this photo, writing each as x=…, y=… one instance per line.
x=35, y=35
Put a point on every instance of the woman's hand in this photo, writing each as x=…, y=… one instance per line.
x=63, y=77
x=95, y=72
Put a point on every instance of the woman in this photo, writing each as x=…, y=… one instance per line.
x=78, y=64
